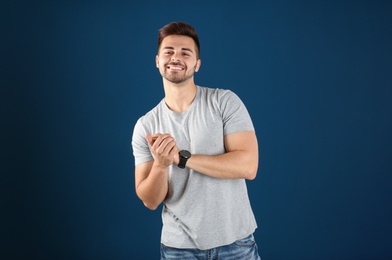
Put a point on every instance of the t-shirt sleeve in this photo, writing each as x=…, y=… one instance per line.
x=140, y=147
x=235, y=116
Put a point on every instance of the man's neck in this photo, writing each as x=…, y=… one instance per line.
x=179, y=97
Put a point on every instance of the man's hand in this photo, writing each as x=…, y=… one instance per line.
x=164, y=149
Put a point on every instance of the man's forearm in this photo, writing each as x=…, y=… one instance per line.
x=231, y=165
x=153, y=190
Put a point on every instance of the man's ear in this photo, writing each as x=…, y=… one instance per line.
x=198, y=64
x=156, y=61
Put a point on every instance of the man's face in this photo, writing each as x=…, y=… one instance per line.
x=177, y=58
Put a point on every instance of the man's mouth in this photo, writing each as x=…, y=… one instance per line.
x=175, y=67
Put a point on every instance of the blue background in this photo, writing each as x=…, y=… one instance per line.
x=315, y=76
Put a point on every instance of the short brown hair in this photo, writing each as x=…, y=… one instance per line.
x=179, y=28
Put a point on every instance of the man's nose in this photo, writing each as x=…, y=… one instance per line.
x=175, y=58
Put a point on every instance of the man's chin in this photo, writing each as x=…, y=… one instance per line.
x=175, y=80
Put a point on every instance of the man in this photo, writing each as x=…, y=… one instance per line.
x=193, y=152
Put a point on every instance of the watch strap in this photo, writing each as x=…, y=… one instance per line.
x=182, y=163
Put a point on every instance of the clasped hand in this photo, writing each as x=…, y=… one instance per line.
x=164, y=149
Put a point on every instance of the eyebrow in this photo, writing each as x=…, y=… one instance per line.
x=172, y=48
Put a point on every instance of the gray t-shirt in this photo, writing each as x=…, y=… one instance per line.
x=200, y=211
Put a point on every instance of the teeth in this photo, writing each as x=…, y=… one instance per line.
x=175, y=68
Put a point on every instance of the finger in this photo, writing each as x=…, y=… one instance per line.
x=161, y=138
x=174, y=150
x=166, y=145
x=150, y=139
x=156, y=135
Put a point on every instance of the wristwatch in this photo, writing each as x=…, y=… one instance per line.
x=184, y=156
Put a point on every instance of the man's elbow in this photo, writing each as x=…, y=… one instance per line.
x=251, y=176
x=150, y=203
x=251, y=173
x=151, y=206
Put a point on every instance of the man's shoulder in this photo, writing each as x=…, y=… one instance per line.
x=153, y=112
x=215, y=92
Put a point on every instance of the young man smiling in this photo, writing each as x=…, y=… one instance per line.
x=193, y=152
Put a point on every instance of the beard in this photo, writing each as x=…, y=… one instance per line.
x=177, y=77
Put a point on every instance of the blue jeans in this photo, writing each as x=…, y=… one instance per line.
x=243, y=249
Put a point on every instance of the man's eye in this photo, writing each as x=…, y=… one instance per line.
x=185, y=54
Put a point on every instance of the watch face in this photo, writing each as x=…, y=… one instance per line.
x=186, y=154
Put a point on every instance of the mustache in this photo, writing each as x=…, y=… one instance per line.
x=175, y=64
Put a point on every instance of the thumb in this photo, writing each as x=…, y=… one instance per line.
x=149, y=139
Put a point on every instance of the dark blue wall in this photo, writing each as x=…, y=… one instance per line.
x=315, y=76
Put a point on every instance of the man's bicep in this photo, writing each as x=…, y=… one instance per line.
x=242, y=141
x=142, y=171
x=244, y=144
